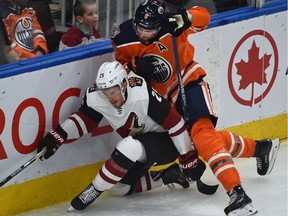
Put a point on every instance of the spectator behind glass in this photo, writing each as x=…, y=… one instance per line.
x=4, y=44
x=45, y=19
x=84, y=31
x=24, y=31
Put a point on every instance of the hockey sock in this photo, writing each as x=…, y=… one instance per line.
x=146, y=183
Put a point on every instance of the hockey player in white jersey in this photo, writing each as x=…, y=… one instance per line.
x=153, y=133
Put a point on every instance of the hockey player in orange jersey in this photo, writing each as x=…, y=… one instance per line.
x=24, y=31
x=143, y=44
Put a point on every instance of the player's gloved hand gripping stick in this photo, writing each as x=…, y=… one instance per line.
x=192, y=166
x=200, y=168
x=46, y=148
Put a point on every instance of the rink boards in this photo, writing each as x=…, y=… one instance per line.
x=39, y=93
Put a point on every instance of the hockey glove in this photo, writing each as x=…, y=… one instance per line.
x=191, y=165
x=176, y=23
x=144, y=66
x=52, y=141
x=183, y=22
x=169, y=23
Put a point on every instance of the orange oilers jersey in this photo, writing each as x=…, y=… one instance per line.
x=164, y=79
x=25, y=33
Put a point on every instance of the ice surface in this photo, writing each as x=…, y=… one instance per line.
x=269, y=195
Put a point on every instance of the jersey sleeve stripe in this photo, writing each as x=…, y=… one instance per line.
x=80, y=124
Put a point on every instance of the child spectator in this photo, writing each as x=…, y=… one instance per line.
x=24, y=31
x=84, y=31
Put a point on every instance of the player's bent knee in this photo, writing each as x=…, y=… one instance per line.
x=132, y=149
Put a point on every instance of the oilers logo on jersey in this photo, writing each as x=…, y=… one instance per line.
x=162, y=69
x=23, y=33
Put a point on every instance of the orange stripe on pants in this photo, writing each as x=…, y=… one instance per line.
x=209, y=143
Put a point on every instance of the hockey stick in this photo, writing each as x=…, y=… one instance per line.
x=20, y=169
x=201, y=186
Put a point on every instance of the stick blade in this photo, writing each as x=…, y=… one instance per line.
x=273, y=154
x=206, y=189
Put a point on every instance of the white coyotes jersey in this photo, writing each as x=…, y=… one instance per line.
x=144, y=110
x=132, y=118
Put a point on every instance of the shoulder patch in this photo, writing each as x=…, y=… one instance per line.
x=92, y=88
x=115, y=31
x=135, y=81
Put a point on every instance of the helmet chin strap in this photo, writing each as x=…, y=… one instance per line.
x=124, y=93
x=123, y=89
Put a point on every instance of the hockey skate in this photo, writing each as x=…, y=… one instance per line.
x=85, y=198
x=171, y=175
x=266, y=156
x=240, y=204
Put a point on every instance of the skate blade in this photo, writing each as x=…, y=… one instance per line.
x=171, y=187
x=247, y=210
x=273, y=154
x=71, y=209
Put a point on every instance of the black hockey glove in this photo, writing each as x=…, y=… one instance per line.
x=144, y=66
x=185, y=23
x=175, y=24
x=52, y=141
x=192, y=166
x=169, y=23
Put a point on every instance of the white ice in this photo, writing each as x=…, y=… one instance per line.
x=268, y=193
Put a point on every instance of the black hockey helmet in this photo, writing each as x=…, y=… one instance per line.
x=147, y=13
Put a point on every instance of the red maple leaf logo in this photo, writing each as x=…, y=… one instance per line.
x=258, y=70
x=253, y=71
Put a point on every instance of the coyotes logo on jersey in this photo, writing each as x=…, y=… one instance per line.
x=131, y=127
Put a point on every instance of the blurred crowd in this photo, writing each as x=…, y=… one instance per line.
x=28, y=29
